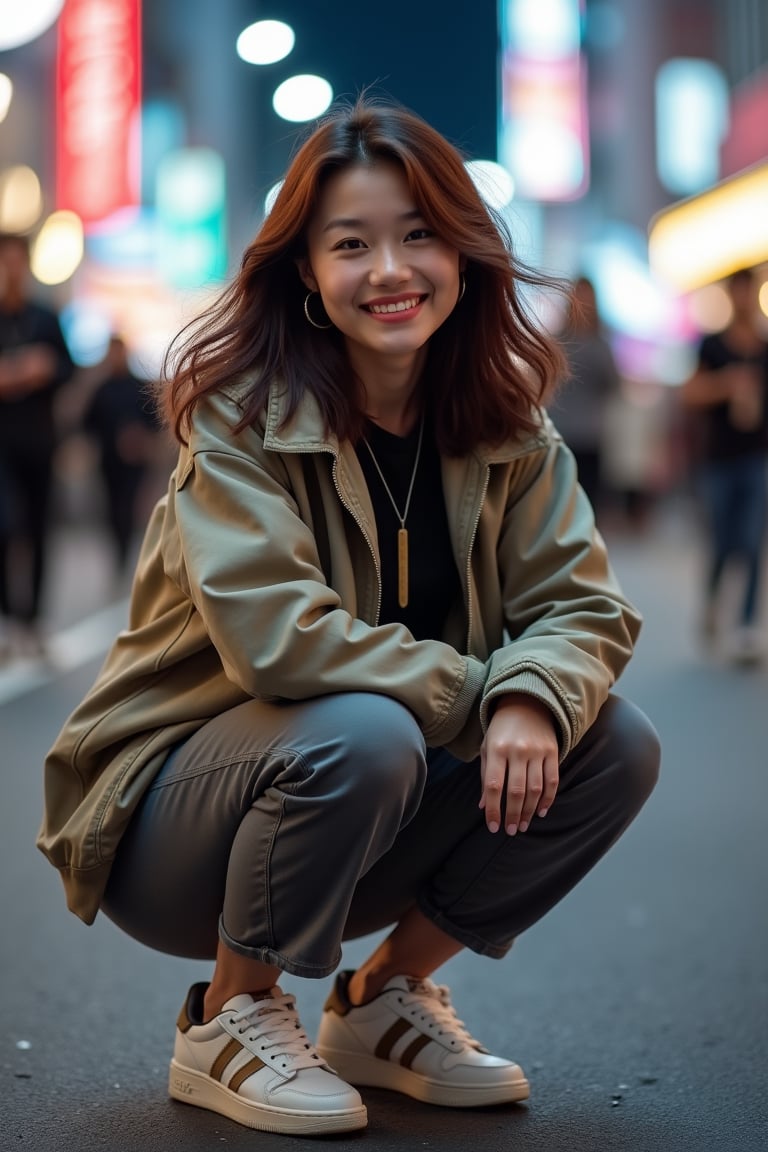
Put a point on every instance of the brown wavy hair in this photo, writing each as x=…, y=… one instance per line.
x=489, y=365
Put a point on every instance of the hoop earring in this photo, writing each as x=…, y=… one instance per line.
x=463, y=288
x=306, y=312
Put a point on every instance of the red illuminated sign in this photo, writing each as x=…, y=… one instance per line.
x=98, y=105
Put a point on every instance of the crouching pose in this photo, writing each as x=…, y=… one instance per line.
x=366, y=681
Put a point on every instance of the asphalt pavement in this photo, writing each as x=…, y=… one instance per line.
x=638, y=1007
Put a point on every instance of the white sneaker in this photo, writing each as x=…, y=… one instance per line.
x=409, y=1039
x=255, y=1064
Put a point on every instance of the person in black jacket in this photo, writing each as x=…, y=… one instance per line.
x=120, y=417
x=34, y=363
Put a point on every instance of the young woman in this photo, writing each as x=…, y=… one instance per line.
x=366, y=679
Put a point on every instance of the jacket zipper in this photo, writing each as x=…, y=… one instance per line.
x=365, y=535
x=468, y=573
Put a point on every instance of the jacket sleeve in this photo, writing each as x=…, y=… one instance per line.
x=250, y=565
x=571, y=629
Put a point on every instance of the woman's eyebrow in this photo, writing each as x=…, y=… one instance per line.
x=356, y=222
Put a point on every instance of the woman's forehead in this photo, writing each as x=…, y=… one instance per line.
x=363, y=189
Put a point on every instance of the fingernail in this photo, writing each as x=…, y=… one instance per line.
x=512, y=829
x=523, y=825
x=493, y=826
x=542, y=812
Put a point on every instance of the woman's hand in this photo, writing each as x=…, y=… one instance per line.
x=518, y=761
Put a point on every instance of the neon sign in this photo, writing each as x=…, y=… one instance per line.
x=98, y=105
x=543, y=137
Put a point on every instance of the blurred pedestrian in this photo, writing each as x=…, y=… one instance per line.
x=580, y=406
x=34, y=363
x=728, y=391
x=122, y=419
x=367, y=678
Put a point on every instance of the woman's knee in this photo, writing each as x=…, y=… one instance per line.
x=386, y=746
x=628, y=741
x=358, y=749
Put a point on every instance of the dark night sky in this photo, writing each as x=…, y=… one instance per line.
x=437, y=57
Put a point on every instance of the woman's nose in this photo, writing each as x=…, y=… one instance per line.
x=389, y=266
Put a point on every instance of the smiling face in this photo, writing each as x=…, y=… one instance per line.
x=386, y=280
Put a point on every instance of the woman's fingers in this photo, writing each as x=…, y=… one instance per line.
x=551, y=784
x=518, y=764
x=490, y=799
x=518, y=790
x=530, y=801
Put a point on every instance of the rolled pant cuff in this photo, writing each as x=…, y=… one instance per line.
x=467, y=939
x=265, y=955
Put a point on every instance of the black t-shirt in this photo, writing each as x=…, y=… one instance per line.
x=433, y=579
x=723, y=438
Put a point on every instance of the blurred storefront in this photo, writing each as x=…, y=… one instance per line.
x=155, y=146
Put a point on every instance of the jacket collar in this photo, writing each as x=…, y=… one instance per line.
x=305, y=432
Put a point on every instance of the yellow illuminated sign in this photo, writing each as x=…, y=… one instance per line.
x=704, y=238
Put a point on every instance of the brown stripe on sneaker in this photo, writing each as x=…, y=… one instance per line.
x=244, y=1072
x=228, y=1052
x=413, y=1050
x=390, y=1038
x=192, y=1007
x=183, y=1022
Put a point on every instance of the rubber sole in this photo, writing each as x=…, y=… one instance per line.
x=371, y=1072
x=199, y=1090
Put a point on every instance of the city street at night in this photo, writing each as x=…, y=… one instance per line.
x=378, y=304
x=638, y=1007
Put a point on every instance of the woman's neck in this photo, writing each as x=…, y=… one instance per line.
x=397, y=420
x=392, y=394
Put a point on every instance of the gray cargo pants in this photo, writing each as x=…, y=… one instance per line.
x=286, y=828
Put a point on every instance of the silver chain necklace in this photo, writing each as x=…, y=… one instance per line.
x=402, y=535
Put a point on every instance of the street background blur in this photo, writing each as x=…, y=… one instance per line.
x=626, y=143
x=623, y=142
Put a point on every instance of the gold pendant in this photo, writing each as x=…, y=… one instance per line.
x=402, y=567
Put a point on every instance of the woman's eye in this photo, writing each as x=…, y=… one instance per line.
x=420, y=234
x=349, y=245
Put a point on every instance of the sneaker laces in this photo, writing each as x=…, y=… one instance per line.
x=432, y=1003
x=272, y=1030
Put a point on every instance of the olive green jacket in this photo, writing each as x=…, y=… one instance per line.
x=259, y=576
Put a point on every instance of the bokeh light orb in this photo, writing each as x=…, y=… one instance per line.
x=302, y=98
x=265, y=42
x=26, y=20
x=493, y=182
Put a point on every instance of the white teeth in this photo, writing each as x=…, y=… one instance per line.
x=400, y=306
